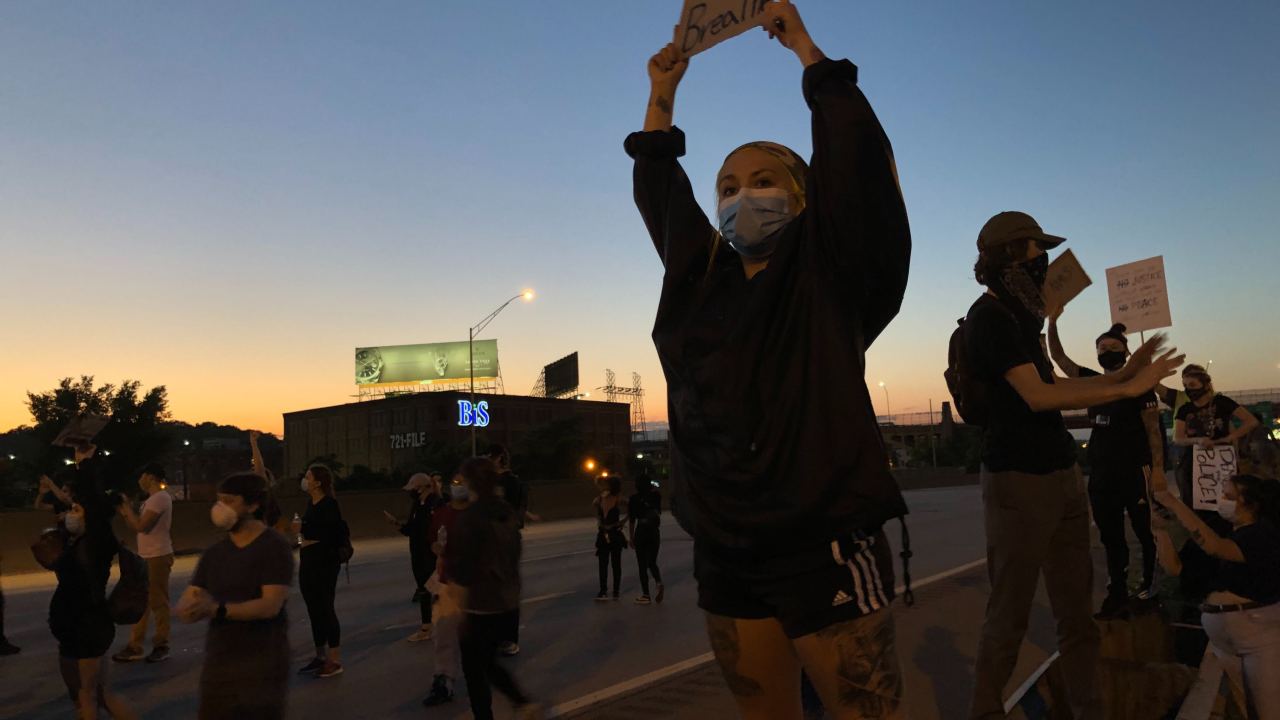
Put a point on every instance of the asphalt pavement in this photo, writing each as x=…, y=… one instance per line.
x=578, y=656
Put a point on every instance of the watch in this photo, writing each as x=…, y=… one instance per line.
x=221, y=614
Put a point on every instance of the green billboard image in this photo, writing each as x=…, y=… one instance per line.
x=426, y=363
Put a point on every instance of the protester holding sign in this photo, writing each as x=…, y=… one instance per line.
x=1126, y=446
x=1242, y=611
x=1037, y=512
x=1204, y=422
x=779, y=470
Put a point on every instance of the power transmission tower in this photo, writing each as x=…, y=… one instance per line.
x=635, y=398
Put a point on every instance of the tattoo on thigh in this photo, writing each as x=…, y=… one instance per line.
x=724, y=642
x=867, y=664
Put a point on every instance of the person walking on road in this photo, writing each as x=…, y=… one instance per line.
x=1126, y=454
x=1242, y=613
x=323, y=533
x=515, y=492
x=778, y=468
x=155, y=546
x=240, y=586
x=1035, y=504
x=448, y=600
x=610, y=538
x=424, y=498
x=485, y=561
x=644, y=517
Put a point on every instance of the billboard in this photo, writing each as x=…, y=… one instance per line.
x=562, y=376
x=425, y=364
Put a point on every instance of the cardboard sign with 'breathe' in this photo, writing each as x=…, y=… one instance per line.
x=704, y=23
x=1139, y=296
x=1066, y=280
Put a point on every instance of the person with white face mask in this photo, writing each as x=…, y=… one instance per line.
x=79, y=614
x=323, y=532
x=778, y=469
x=240, y=586
x=1241, y=613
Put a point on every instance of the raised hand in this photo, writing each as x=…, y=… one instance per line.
x=1156, y=370
x=666, y=68
x=1151, y=348
x=782, y=21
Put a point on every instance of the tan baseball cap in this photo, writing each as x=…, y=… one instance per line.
x=1011, y=225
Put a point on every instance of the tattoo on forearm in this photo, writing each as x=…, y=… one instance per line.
x=1155, y=438
x=723, y=633
x=663, y=104
x=867, y=664
x=1198, y=536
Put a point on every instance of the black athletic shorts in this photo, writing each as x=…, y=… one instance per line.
x=806, y=591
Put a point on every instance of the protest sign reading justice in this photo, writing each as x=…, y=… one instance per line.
x=1139, y=296
x=1210, y=467
x=704, y=23
x=1066, y=280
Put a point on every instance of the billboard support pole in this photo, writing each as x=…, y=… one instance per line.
x=471, y=336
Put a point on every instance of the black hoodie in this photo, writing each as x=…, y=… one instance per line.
x=775, y=444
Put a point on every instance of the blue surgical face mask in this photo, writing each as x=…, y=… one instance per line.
x=751, y=219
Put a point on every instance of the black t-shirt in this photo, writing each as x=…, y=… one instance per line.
x=646, y=509
x=1212, y=421
x=1258, y=577
x=234, y=574
x=1016, y=438
x=322, y=522
x=1119, y=436
x=515, y=492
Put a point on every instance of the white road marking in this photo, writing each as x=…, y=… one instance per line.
x=541, y=598
x=1026, y=686
x=628, y=686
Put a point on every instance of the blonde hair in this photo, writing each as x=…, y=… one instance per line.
x=796, y=171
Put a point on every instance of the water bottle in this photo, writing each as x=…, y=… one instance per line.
x=298, y=519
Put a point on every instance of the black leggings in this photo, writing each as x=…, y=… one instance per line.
x=611, y=552
x=1113, y=493
x=647, y=559
x=479, y=639
x=318, y=581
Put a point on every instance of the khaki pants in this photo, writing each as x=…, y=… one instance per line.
x=1037, y=523
x=158, y=569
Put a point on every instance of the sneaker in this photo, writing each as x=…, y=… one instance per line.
x=157, y=655
x=330, y=669
x=662, y=591
x=8, y=648
x=531, y=711
x=441, y=692
x=128, y=655
x=602, y=597
x=421, y=635
x=643, y=600
x=313, y=667
x=509, y=649
x=1114, y=607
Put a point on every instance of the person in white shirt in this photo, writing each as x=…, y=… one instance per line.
x=155, y=546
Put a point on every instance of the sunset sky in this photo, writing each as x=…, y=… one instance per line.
x=227, y=198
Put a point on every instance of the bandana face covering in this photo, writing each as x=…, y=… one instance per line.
x=1024, y=284
x=751, y=220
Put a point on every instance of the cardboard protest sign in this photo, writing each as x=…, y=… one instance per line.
x=1139, y=296
x=1066, y=280
x=704, y=23
x=1209, y=469
x=81, y=430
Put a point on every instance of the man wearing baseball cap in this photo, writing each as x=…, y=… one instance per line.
x=424, y=498
x=1037, y=511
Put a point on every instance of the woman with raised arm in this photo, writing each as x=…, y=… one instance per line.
x=1241, y=613
x=765, y=317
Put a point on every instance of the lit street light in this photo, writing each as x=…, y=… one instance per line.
x=590, y=465
x=472, y=332
x=888, y=414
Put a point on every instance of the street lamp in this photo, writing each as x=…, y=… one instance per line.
x=527, y=296
x=888, y=414
x=590, y=465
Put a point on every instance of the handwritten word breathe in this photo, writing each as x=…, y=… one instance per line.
x=706, y=23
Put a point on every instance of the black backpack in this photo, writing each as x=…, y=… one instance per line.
x=967, y=391
x=128, y=600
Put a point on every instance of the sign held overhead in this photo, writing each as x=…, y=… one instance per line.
x=1139, y=296
x=704, y=23
x=1066, y=280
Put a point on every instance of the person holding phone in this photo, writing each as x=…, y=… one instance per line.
x=778, y=469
